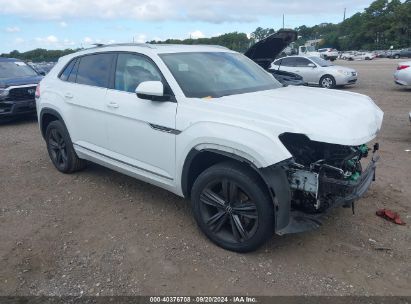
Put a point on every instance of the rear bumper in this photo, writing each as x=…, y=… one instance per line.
x=347, y=192
x=10, y=108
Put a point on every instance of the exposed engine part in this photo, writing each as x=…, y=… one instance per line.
x=304, y=181
x=321, y=171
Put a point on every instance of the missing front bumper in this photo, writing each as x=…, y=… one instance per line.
x=346, y=193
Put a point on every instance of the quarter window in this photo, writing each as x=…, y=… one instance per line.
x=66, y=72
x=73, y=74
x=95, y=69
x=132, y=70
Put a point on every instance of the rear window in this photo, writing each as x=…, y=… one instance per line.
x=95, y=70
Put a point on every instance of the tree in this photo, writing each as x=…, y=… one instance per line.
x=260, y=33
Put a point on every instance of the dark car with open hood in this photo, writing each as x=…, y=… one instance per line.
x=18, y=82
x=265, y=51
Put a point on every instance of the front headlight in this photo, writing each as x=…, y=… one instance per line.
x=345, y=73
x=4, y=93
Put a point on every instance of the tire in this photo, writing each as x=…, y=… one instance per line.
x=327, y=82
x=239, y=222
x=396, y=56
x=60, y=149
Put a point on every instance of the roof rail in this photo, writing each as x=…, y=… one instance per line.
x=100, y=45
x=180, y=44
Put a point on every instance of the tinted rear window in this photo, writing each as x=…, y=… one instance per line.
x=95, y=70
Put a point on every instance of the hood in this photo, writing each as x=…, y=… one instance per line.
x=8, y=82
x=334, y=117
x=265, y=51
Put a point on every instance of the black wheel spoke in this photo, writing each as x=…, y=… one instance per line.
x=55, y=136
x=234, y=229
x=239, y=227
x=230, y=190
x=64, y=155
x=53, y=144
x=58, y=157
x=247, y=210
x=217, y=221
x=210, y=198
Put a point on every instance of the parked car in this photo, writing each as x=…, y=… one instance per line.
x=359, y=56
x=317, y=71
x=266, y=51
x=208, y=123
x=405, y=53
x=393, y=54
x=328, y=54
x=403, y=74
x=308, y=50
x=18, y=83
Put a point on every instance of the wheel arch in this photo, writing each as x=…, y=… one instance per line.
x=47, y=115
x=273, y=179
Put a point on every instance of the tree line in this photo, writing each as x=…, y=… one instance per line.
x=383, y=24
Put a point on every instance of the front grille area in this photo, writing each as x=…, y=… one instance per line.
x=5, y=108
x=25, y=93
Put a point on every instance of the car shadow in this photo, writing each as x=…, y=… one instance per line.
x=18, y=120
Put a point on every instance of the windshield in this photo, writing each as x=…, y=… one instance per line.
x=321, y=62
x=15, y=69
x=217, y=74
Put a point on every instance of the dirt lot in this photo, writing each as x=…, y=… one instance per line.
x=98, y=232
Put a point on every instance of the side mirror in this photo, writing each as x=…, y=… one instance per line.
x=152, y=90
x=312, y=65
x=42, y=73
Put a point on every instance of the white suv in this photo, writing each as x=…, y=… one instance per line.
x=208, y=123
x=328, y=54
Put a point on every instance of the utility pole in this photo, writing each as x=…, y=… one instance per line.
x=345, y=10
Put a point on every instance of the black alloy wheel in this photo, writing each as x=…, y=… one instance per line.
x=232, y=206
x=60, y=149
x=228, y=211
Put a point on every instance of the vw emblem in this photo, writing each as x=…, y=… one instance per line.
x=31, y=91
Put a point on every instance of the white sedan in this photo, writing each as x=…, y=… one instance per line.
x=317, y=71
x=403, y=74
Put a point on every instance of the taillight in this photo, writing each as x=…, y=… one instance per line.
x=37, y=94
x=402, y=67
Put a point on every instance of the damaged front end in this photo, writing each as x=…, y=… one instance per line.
x=322, y=176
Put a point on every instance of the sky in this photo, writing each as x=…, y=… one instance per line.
x=60, y=24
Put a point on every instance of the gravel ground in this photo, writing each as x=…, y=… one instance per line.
x=98, y=232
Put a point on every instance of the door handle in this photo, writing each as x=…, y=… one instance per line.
x=112, y=105
x=68, y=96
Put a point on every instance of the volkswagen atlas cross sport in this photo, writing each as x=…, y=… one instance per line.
x=209, y=124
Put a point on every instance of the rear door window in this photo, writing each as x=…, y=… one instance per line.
x=94, y=70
